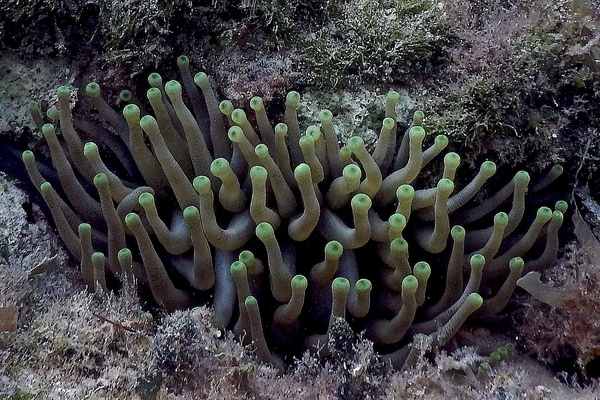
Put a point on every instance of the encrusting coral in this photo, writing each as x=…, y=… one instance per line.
x=281, y=227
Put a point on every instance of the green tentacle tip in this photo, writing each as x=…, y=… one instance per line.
x=503, y=352
x=306, y=141
x=264, y=231
x=352, y=173
x=410, y=284
x=360, y=202
x=201, y=184
x=258, y=173
x=488, y=168
x=92, y=89
x=452, y=160
x=250, y=302
x=405, y=192
x=219, y=166
x=256, y=103
x=48, y=129
x=484, y=368
x=101, y=180
x=173, y=88
x=458, y=232
x=399, y=246
x=33, y=106
x=281, y=129
x=124, y=255
x=392, y=96
x=325, y=116
x=238, y=268
x=516, y=264
x=98, y=257
x=302, y=171
x=475, y=300
x=557, y=217
x=226, y=107
x=292, y=98
x=501, y=219
x=28, y=156
x=561, y=206
x=53, y=113
x=247, y=257
x=494, y=357
x=510, y=347
x=155, y=80
x=261, y=150
x=45, y=187
x=544, y=214
x=557, y=170
x=190, y=213
x=148, y=122
x=125, y=95
x=146, y=199
x=90, y=148
x=333, y=250
x=363, y=286
x=389, y=123
x=314, y=132
x=63, y=91
x=340, y=285
x=131, y=112
x=202, y=80
x=132, y=220
x=84, y=228
x=445, y=186
x=418, y=118
x=345, y=153
x=397, y=221
x=299, y=282
x=422, y=270
x=477, y=261
x=239, y=116
x=441, y=141
x=355, y=143
x=154, y=94
x=183, y=61
x=235, y=134
x=522, y=177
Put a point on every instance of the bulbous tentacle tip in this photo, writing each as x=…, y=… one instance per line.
x=334, y=249
x=418, y=118
x=561, y=206
x=239, y=116
x=516, y=264
x=201, y=184
x=392, y=96
x=292, y=99
x=477, y=262
x=389, y=123
x=256, y=103
x=299, y=282
x=325, y=116
x=475, y=300
x=92, y=89
x=410, y=284
x=264, y=231
x=183, y=61
x=173, y=89
x=458, y=233
x=63, y=92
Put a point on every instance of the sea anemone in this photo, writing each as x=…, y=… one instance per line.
x=283, y=230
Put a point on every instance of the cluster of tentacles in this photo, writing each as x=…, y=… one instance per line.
x=280, y=226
